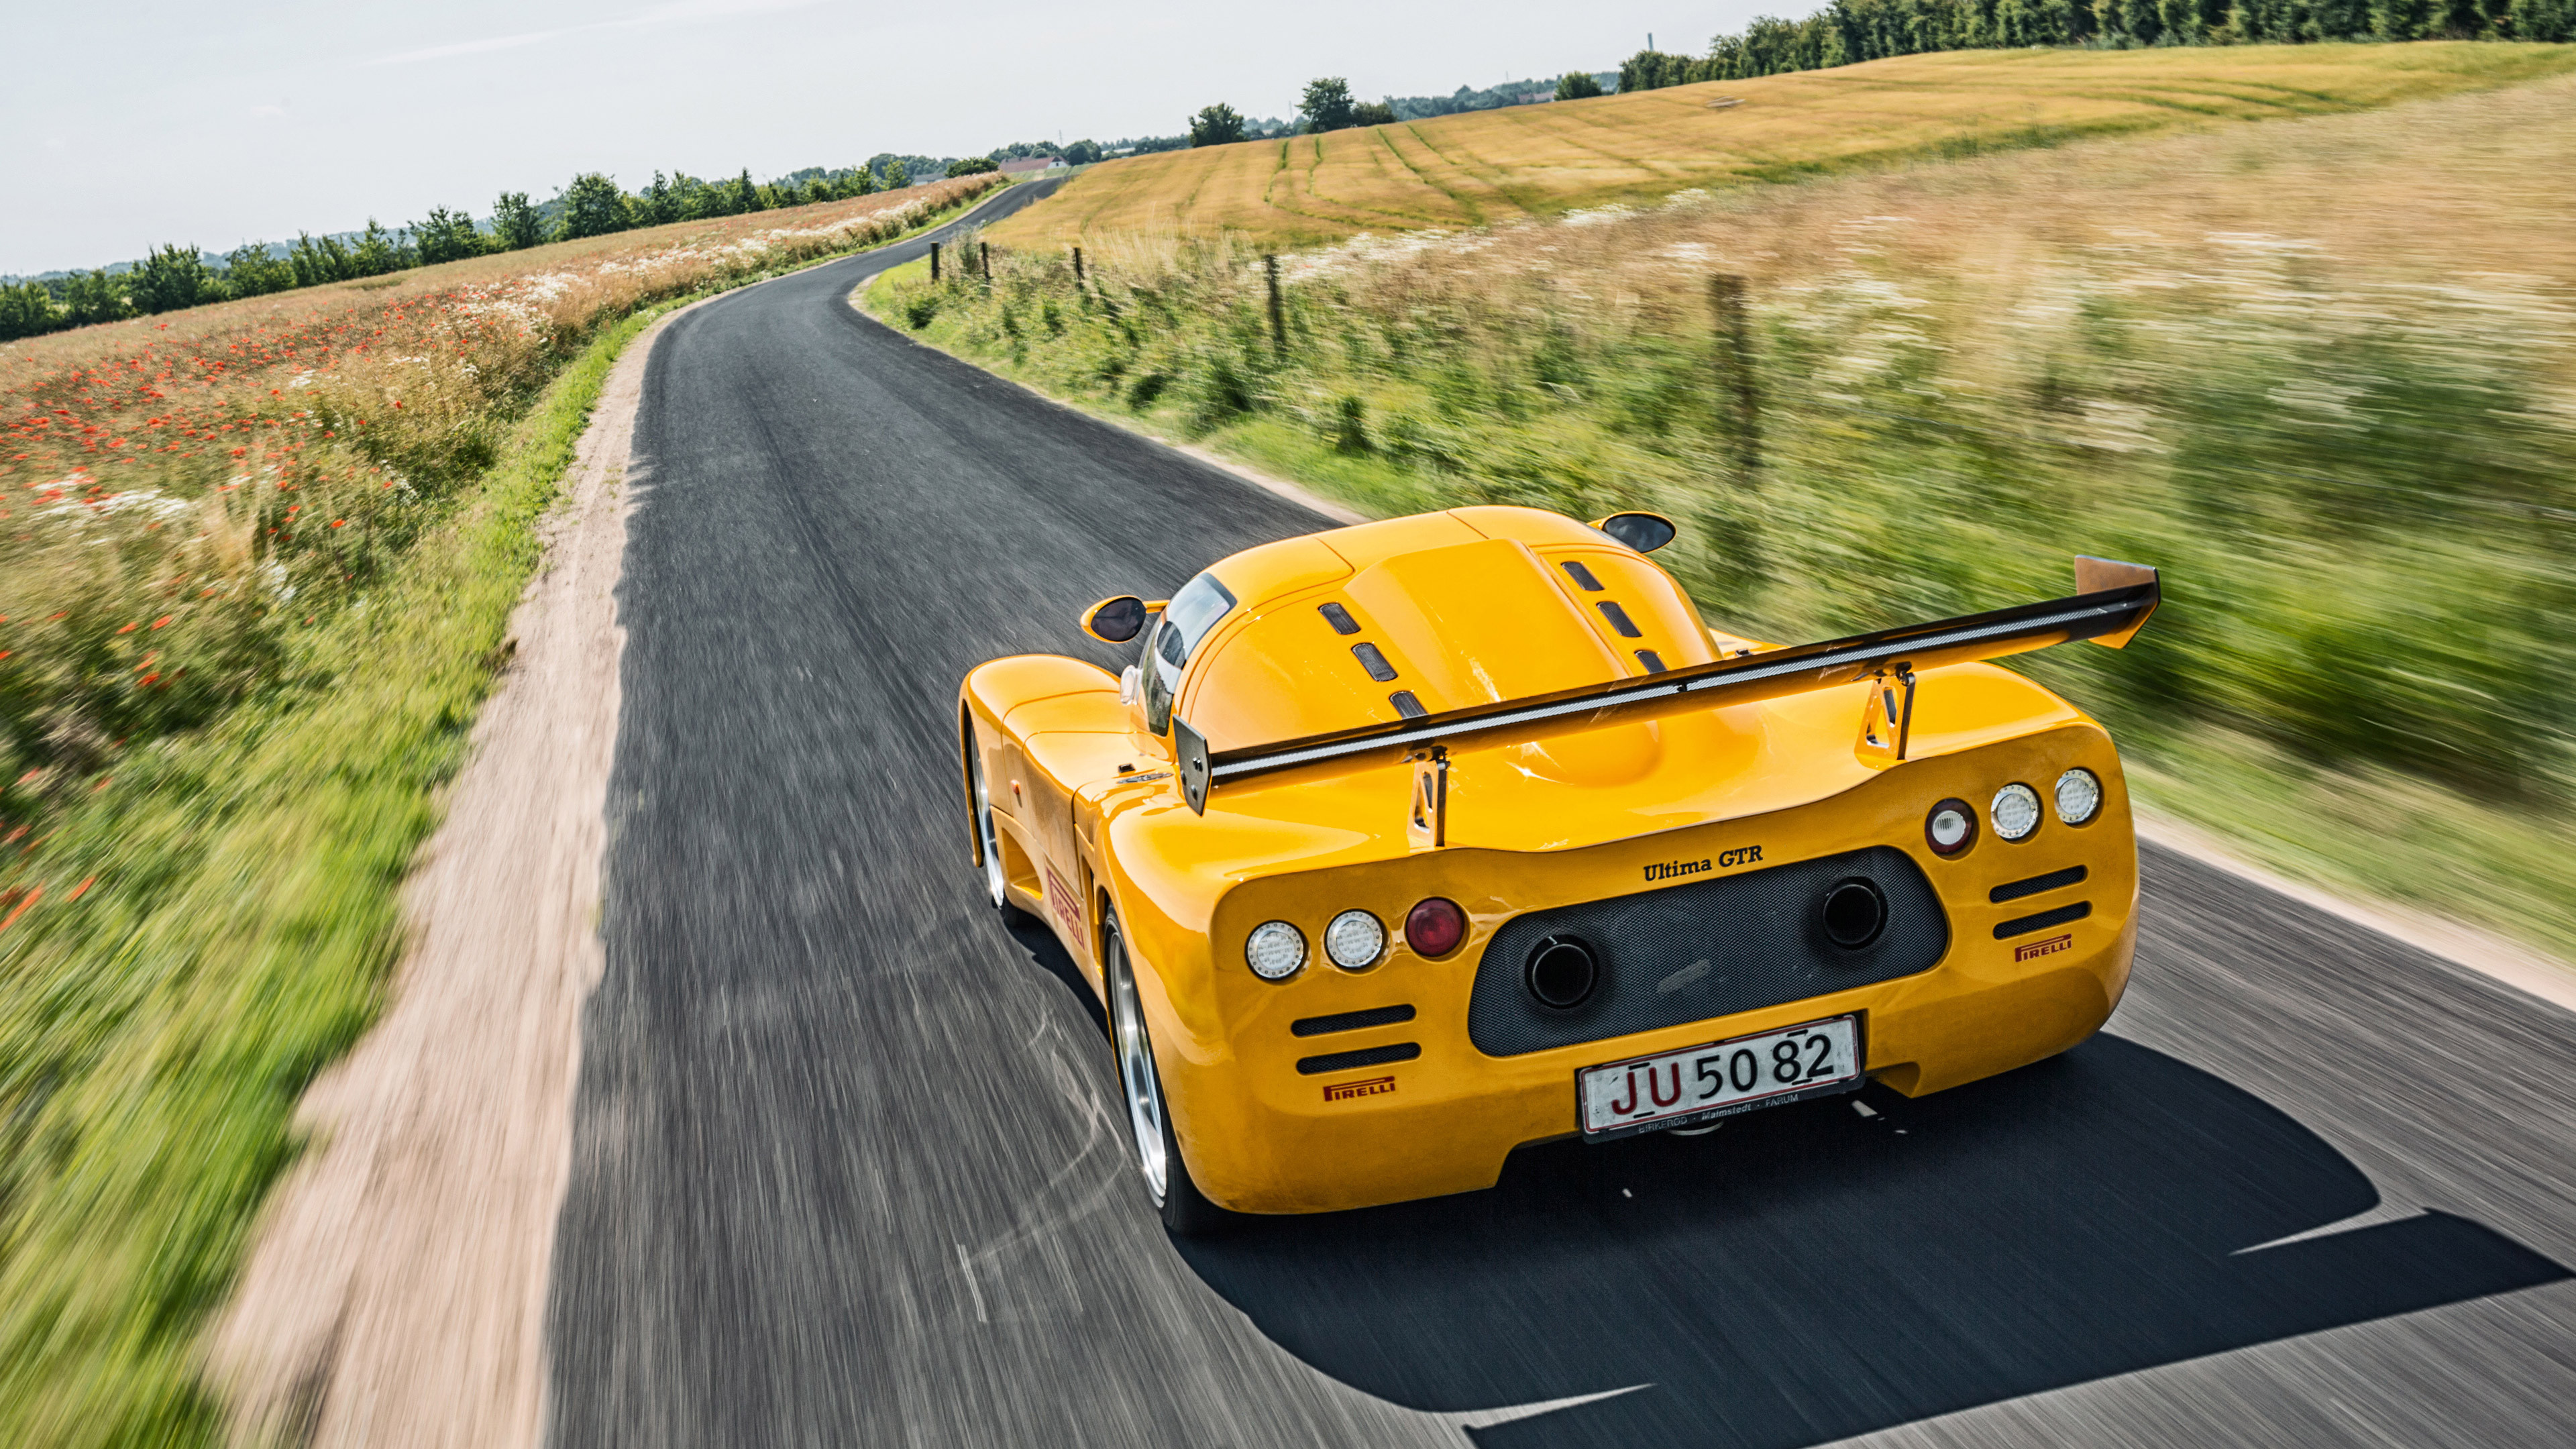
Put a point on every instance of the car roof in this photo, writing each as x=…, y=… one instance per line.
x=1467, y=606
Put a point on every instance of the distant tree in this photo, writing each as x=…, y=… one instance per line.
x=1217, y=125
x=250, y=270
x=746, y=195
x=515, y=223
x=1327, y=104
x=897, y=176
x=656, y=203
x=27, y=310
x=862, y=182
x=973, y=165
x=445, y=236
x=1577, y=85
x=377, y=252
x=318, y=260
x=171, y=278
x=592, y=206
x=2551, y=21
x=1085, y=152
x=1374, y=113
x=93, y=297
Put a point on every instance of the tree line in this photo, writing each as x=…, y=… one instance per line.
x=177, y=276
x=1328, y=105
x=1849, y=31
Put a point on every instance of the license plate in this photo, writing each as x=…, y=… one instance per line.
x=1767, y=1069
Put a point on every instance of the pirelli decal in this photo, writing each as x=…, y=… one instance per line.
x=1345, y=1091
x=1062, y=903
x=2049, y=947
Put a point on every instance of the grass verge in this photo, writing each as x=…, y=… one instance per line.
x=212, y=917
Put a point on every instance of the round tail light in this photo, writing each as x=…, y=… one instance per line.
x=1434, y=927
x=2079, y=796
x=1274, y=950
x=1355, y=940
x=2015, y=811
x=1951, y=827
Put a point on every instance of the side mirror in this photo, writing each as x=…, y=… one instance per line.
x=1644, y=532
x=1116, y=621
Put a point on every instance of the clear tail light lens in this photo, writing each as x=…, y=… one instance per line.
x=2015, y=811
x=2079, y=796
x=1274, y=950
x=1951, y=827
x=1354, y=940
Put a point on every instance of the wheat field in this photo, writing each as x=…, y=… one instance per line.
x=1489, y=167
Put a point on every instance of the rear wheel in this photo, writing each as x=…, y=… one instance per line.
x=1185, y=1210
x=988, y=838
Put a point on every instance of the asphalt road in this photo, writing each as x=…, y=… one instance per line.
x=846, y=1171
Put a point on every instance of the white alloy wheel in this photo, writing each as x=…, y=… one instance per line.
x=990, y=837
x=1184, y=1209
x=1144, y=1086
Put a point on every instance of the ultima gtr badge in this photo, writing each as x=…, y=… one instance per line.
x=1344, y=1091
x=1741, y=855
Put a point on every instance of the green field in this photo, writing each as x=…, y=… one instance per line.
x=1488, y=167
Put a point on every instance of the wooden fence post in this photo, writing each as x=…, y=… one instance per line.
x=934, y=261
x=984, y=261
x=1739, y=404
x=1278, y=318
x=1078, y=280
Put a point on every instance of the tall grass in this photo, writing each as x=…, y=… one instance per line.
x=198, y=892
x=2322, y=372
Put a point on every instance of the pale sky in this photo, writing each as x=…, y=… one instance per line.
x=133, y=124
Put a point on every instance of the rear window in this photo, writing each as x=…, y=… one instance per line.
x=1186, y=620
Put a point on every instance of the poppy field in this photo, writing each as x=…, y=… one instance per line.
x=179, y=495
x=256, y=566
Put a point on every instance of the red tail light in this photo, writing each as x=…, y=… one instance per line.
x=1434, y=927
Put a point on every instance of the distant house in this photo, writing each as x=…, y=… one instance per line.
x=1022, y=166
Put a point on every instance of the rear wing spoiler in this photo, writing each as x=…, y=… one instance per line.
x=2111, y=603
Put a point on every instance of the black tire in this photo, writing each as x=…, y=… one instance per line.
x=1186, y=1212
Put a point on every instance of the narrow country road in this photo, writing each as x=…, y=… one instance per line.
x=845, y=1171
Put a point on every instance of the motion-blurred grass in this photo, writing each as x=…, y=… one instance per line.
x=2323, y=372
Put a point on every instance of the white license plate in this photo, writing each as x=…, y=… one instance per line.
x=1722, y=1078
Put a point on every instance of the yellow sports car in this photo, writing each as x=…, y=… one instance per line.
x=1406, y=844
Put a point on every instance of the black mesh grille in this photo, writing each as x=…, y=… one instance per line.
x=2036, y=885
x=1403, y=1051
x=1352, y=1020
x=2044, y=920
x=1711, y=948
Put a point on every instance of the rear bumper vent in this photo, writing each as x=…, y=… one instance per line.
x=1351, y=1020
x=1708, y=948
x=1376, y=1056
x=2037, y=885
x=2045, y=919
